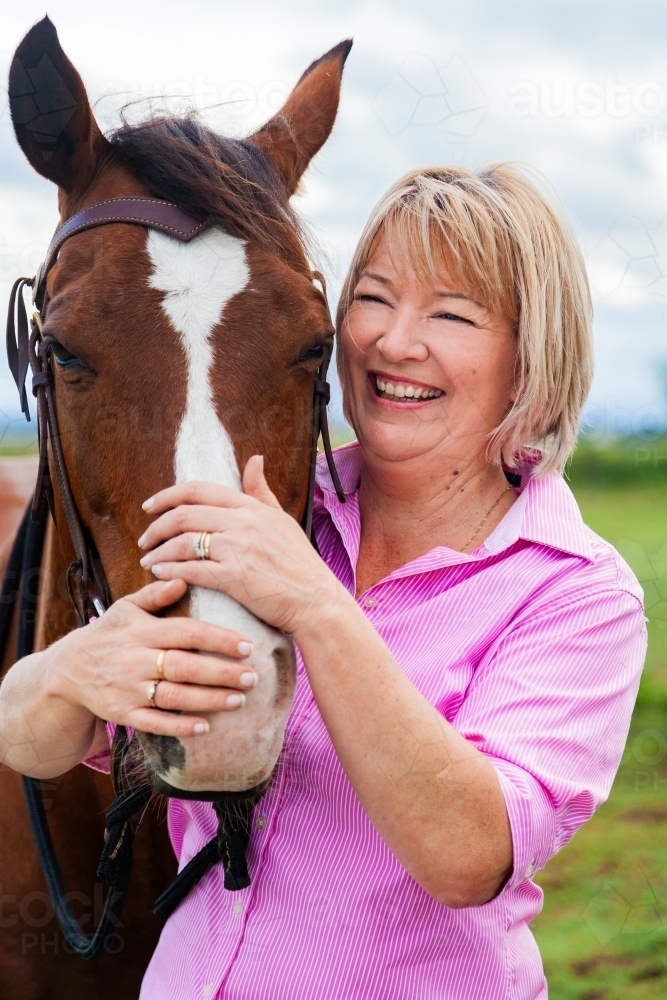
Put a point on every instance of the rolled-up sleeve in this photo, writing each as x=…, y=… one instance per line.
x=102, y=761
x=550, y=705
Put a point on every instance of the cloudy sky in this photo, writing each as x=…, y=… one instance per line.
x=574, y=90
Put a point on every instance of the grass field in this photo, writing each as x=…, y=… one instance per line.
x=603, y=929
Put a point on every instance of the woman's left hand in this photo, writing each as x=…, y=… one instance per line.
x=258, y=554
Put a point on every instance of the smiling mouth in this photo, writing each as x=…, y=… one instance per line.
x=402, y=391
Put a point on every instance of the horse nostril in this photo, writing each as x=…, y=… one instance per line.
x=163, y=752
x=285, y=661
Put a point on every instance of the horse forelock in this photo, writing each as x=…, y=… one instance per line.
x=229, y=182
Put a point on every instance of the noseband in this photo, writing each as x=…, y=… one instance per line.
x=90, y=593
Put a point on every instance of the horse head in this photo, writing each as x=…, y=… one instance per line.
x=177, y=361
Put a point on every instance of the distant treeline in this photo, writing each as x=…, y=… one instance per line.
x=613, y=462
x=619, y=462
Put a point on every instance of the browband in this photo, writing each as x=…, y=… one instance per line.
x=139, y=211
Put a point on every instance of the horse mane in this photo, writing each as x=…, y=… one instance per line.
x=228, y=182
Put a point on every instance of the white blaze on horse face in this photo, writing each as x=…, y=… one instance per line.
x=199, y=279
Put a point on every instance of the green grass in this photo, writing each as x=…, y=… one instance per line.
x=603, y=930
x=627, y=461
x=18, y=444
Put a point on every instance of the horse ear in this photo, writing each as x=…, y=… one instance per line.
x=292, y=137
x=51, y=114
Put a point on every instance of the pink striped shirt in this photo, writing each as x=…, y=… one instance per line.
x=532, y=648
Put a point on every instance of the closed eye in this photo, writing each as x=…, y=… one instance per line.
x=63, y=357
x=371, y=298
x=455, y=318
x=315, y=353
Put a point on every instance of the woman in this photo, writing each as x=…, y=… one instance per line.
x=470, y=651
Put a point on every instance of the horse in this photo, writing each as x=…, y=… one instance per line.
x=172, y=361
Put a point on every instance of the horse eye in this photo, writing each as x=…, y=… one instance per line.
x=63, y=357
x=314, y=354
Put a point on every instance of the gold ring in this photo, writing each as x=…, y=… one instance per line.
x=207, y=545
x=151, y=688
x=160, y=664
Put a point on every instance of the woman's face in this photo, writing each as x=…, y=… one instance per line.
x=429, y=370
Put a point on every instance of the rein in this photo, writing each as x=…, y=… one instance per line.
x=90, y=594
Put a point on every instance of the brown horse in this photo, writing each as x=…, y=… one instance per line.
x=172, y=362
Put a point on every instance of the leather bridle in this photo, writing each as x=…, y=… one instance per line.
x=88, y=588
x=86, y=582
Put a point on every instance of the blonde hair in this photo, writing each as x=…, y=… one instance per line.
x=510, y=244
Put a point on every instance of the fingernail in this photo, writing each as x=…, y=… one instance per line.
x=147, y=504
x=245, y=648
x=141, y=540
x=144, y=561
x=235, y=700
x=157, y=570
x=201, y=727
x=248, y=679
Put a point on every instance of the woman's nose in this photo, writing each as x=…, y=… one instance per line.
x=401, y=340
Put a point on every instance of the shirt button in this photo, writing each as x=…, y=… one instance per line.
x=237, y=906
x=369, y=602
x=261, y=822
x=207, y=991
x=530, y=870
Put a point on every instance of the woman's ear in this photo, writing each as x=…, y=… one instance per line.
x=50, y=111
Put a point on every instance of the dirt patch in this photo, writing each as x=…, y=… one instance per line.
x=645, y=816
x=596, y=962
x=654, y=972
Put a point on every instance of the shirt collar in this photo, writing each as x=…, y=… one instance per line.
x=549, y=516
x=349, y=460
x=545, y=513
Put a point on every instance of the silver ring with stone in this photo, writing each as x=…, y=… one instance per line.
x=199, y=545
x=151, y=688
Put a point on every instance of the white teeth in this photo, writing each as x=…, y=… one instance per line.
x=401, y=391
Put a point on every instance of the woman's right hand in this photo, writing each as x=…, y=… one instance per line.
x=51, y=702
x=107, y=666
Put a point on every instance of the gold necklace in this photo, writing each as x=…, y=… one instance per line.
x=488, y=513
